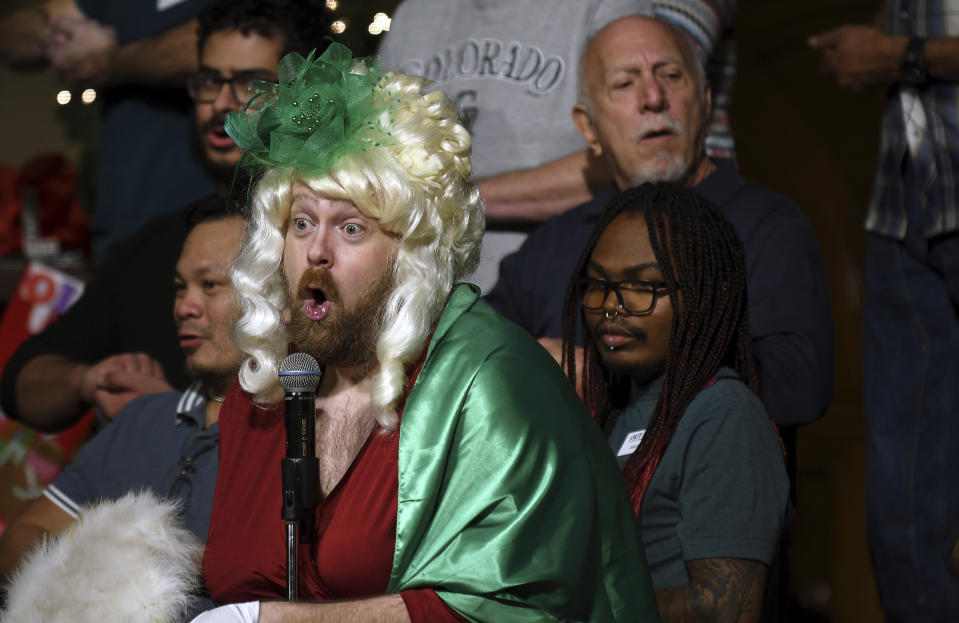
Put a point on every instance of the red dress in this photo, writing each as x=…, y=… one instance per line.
x=245, y=556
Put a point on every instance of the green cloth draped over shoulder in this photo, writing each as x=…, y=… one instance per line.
x=511, y=505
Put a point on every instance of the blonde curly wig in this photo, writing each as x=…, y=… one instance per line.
x=416, y=184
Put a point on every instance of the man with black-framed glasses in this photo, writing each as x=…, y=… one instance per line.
x=98, y=353
x=239, y=44
x=221, y=85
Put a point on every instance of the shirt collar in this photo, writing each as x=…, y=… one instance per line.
x=646, y=393
x=649, y=394
x=192, y=405
x=724, y=182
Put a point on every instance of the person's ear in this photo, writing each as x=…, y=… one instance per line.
x=584, y=124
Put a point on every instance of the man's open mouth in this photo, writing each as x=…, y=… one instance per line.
x=217, y=137
x=316, y=306
x=654, y=134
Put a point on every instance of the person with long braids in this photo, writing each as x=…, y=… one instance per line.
x=668, y=373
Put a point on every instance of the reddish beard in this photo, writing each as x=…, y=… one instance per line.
x=346, y=336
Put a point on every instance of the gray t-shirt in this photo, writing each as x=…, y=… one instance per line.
x=511, y=68
x=720, y=490
x=156, y=442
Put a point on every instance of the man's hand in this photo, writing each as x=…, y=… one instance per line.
x=53, y=392
x=860, y=56
x=248, y=612
x=81, y=49
x=117, y=380
x=24, y=32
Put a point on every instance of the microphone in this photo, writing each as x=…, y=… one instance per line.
x=300, y=374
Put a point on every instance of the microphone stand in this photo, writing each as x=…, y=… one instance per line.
x=299, y=375
x=299, y=477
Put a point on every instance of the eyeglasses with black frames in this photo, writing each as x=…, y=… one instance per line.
x=205, y=85
x=635, y=297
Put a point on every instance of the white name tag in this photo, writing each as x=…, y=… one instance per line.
x=631, y=442
x=163, y=5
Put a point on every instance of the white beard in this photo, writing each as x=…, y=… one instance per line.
x=664, y=168
x=124, y=560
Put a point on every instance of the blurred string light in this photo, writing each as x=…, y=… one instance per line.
x=338, y=26
x=381, y=22
x=332, y=4
x=88, y=96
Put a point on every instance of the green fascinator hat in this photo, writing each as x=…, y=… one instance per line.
x=318, y=111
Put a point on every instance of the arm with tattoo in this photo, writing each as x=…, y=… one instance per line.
x=719, y=590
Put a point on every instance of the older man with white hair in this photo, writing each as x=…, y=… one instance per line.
x=644, y=104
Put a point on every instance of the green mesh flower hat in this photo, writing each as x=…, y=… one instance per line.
x=318, y=111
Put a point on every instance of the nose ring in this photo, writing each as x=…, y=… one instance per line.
x=609, y=316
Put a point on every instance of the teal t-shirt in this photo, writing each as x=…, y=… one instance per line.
x=720, y=490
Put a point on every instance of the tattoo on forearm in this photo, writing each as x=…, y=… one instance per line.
x=720, y=589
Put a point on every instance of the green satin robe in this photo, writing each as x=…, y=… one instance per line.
x=511, y=505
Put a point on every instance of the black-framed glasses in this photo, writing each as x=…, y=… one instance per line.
x=635, y=297
x=205, y=86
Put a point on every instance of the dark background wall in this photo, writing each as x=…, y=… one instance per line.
x=798, y=133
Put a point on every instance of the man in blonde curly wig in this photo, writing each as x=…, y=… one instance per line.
x=460, y=477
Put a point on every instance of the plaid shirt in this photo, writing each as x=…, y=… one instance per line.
x=937, y=159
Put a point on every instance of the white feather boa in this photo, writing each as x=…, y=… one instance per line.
x=124, y=560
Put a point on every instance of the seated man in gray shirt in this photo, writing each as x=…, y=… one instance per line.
x=669, y=374
x=163, y=442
